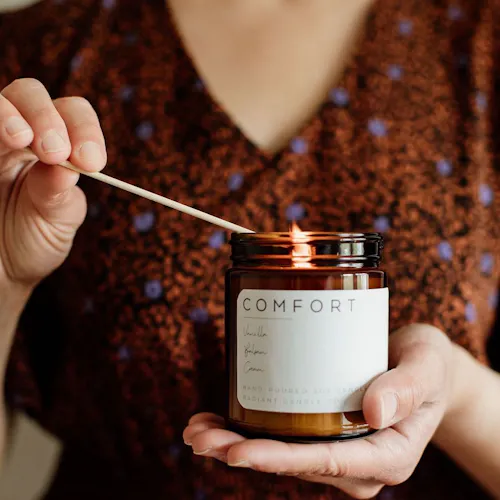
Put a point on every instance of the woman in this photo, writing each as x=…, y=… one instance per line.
x=123, y=343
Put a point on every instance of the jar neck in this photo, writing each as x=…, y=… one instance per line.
x=290, y=265
x=307, y=250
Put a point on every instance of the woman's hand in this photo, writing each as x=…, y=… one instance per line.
x=40, y=206
x=407, y=403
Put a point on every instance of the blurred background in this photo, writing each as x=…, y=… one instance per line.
x=33, y=453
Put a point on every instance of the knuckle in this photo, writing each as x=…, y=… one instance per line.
x=21, y=84
x=432, y=332
x=79, y=113
x=427, y=336
x=427, y=388
x=74, y=101
x=45, y=112
x=329, y=464
x=416, y=393
x=91, y=128
x=412, y=393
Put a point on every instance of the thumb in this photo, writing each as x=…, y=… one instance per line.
x=53, y=191
x=418, y=354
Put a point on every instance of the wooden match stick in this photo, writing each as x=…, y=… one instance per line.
x=157, y=198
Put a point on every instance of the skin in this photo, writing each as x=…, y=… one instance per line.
x=431, y=385
x=265, y=52
x=435, y=387
x=408, y=403
x=40, y=205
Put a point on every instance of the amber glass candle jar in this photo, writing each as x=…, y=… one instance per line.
x=307, y=331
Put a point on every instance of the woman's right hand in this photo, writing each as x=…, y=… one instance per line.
x=41, y=207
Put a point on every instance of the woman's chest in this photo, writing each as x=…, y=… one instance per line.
x=282, y=55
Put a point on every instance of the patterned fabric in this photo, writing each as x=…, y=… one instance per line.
x=125, y=342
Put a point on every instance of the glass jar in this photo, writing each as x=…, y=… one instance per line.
x=307, y=331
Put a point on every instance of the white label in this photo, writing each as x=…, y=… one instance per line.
x=310, y=351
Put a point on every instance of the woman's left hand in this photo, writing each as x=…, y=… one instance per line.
x=407, y=403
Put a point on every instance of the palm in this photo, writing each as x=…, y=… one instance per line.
x=420, y=357
x=405, y=441
x=33, y=242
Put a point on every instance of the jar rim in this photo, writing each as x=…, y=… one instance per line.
x=321, y=248
x=288, y=236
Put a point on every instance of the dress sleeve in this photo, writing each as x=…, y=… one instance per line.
x=494, y=345
x=494, y=340
x=37, y=354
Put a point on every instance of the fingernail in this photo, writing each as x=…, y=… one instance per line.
x=91, y=153
x=389, y=409
x=240, y=463
x=53, y=142
x=202, y=452
x=188, y=443
x=16, y=126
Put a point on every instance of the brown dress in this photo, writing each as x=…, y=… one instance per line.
x=125, y=342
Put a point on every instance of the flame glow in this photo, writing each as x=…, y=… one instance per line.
x=301, y=251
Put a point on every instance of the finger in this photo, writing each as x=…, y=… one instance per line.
x=335, y=459
x=215, y=443
x=193, y=429
x=419, y=353
x=15, y=132
x=52, y=189
x=356, y=488
x=51, y=141
x=88, y=149
x=203, y=417
x=384, y=457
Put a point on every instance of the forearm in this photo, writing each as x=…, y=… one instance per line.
x=12, y=302
x=469, y=429
x=14, y=5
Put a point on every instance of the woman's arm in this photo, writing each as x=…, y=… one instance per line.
x=469, y=430
x=41, y=208
x=13, y=5
x=12, y=302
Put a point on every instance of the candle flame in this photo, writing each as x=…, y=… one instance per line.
x=301, y=251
